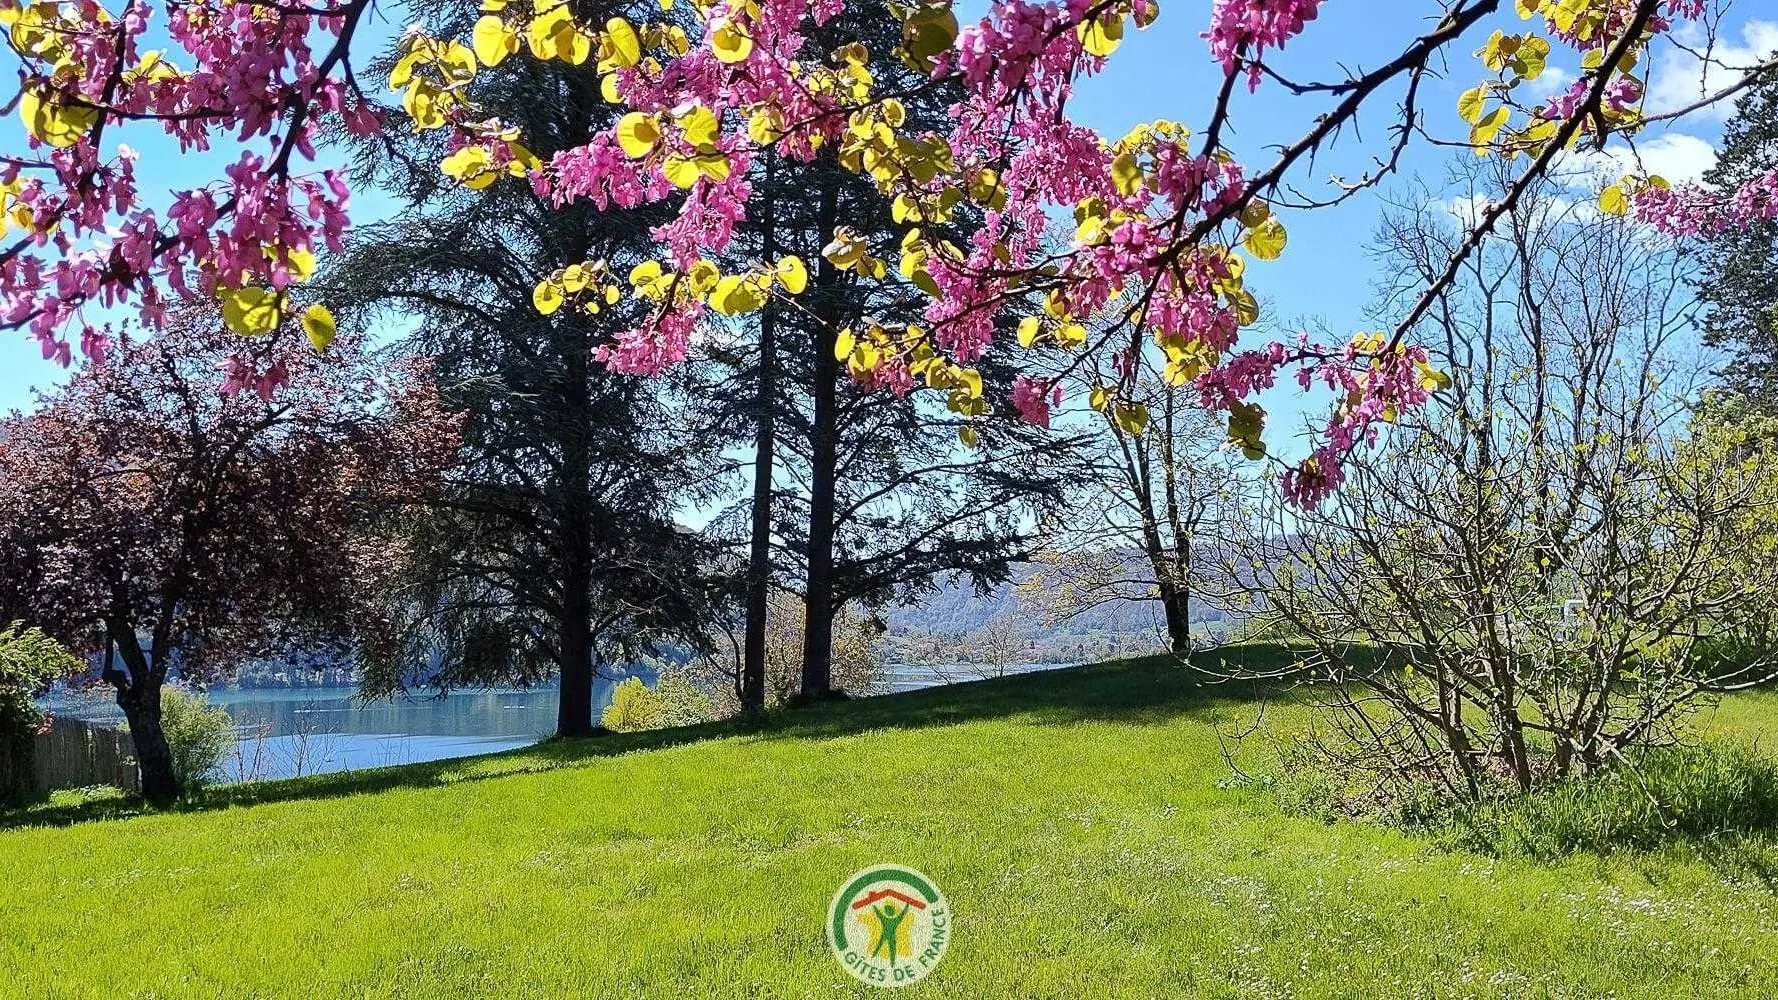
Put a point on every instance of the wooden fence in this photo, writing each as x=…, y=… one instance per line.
x=75, y=754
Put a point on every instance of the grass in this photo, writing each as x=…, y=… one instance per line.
x=1078, y=821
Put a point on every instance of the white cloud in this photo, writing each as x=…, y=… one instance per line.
x=1552, y=81
x=1682, y=78
x=1467, y=210
x=1675, y=156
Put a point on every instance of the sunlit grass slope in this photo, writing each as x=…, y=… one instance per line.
x=1078, y=822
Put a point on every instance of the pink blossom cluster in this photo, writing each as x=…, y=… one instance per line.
x=1019, y=50
x=1695, y=210
x=1620, y=96
x=1033, y=398
x=269, y=77
x=236, y=68
x=1375, y=386
x=651, y=350
x=1244, y=28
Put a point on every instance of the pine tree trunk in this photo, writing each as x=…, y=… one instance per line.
x=141, y=704
x=817, y=672
x=759, y=557
x=574, y=707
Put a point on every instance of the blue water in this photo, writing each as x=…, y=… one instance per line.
x=290, y=732
x=286, y=733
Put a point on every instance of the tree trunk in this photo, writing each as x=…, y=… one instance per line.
x=1176, y=604
x=138, y=690
x=574, y=647
x=141, y=704
x=574, y=707
x=759, y=557
x=817, y=672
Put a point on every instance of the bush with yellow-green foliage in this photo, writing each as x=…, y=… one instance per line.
x=675, y=700
x=634, y=707
x=29, y=660
x=1736, y=443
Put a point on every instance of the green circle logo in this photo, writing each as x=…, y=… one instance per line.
x=889, y=925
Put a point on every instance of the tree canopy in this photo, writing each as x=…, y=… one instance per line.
x=1165, y=217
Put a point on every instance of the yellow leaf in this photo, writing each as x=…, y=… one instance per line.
x=793, y=275
x=926, y=33
x=846, y=251
x=422, y=105
x=573, y=46
x=494, y=41
x=403, y=71
x=679, y=171
x=1531, y=58
x=1469, y=104
x=700, y=127
x=318, y=324
x=1487, y=128
x=736, y=295
x=1613, y=201
x=1029, y=327
x=1101, y=35
x=300, y=263
x=843, y=344
x=968, y=436
x=765, y=127
x=626, y=48
x=543, y=36
x=702, y=277
x=1131, y=418
x=1267, y=240
x=251, y=312
x=1126, y=173
x=472, y=166
x=730, y=42
x=638, y=134
x=644, y=275
x=457, y=63
x=547, y=297
x=59, y=125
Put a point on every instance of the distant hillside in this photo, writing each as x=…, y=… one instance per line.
x=956, y=609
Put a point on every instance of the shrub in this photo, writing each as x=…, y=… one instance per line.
x=634, y=707
x=675, y=700
x=683, y=703
x=29, y=660
x=1719, y=789
x=1716, y=789
x=200, y=735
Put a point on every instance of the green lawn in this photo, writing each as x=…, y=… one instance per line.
x=1075, y=820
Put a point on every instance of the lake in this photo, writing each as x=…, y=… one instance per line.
x=289, y=732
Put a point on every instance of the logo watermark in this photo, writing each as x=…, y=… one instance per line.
x=889, y=925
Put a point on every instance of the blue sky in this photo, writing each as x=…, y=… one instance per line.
x=1166, y=72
